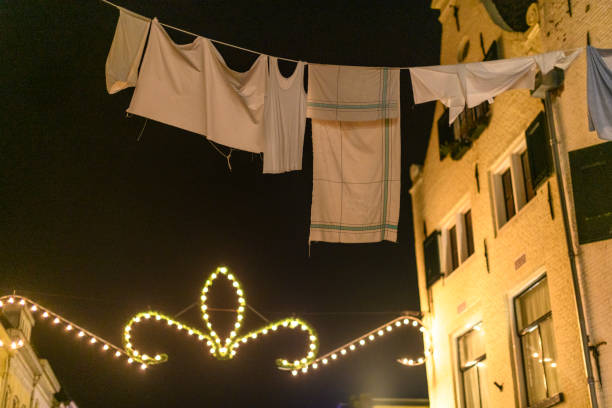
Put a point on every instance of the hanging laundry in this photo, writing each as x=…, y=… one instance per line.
x=126, y=51
x=189, y=86
x=357, y=159
x=352, y=93
x=599, y=91
x=476, y=82
x=284, y=119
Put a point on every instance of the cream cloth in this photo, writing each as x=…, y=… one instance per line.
x=471, y=84
x=352, y=93
x=356, y=180
x=285, y=119
x=126, y=51
x=189, y=86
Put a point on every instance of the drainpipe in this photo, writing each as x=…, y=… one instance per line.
x=570, y=248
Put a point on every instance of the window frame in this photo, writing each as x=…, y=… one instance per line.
x=462, y=369
x=455, y=219
x=520, y=371
x=510, y=160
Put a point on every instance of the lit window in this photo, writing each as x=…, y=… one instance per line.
x=473, y=368
x=535, y=330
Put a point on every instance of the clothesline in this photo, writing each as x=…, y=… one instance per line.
x=253, y=51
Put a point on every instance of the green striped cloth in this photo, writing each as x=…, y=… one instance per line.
x=356, y=173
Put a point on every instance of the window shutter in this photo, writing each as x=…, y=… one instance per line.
x=538, y=149
x=592, y=184
x=432, y=258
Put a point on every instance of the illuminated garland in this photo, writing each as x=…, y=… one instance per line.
x=227, y=348
x=223, y=349
x=362, y=341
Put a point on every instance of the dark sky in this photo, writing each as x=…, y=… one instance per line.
x=97, y=226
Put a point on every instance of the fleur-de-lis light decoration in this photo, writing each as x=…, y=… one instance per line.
x=222, y=349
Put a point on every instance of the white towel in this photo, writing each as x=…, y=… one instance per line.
x=189, y=86
x=126, y=51
x=471, y=84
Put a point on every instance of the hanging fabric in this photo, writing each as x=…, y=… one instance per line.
x=356, y=163
x=189, y=86
x=284, y=119
x=471, y=84
x=352, y=93
x=126, y=51
x=599, y=91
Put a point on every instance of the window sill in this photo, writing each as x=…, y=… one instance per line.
x=467, y=261
x=518, y=213
x=549, y=402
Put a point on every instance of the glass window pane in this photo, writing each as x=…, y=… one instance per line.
x=471, y=388
x=482, y=377
x=471, y=347
x=549, y=357
x=506, y=179
x=469, y=233
x=452, y=233
x=533, y=367
x=532, y=304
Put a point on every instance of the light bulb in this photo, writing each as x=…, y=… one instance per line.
x=147, y=316
x=315, y=366
x=33, y=308
x=343, y=351
x=69, y=327
x=294, y=372
x=117, y=353
x=190, y=332
x=11, y=300
x=93, y=340
x=56, y=320
x=130, y=360
x=235, y=284
x=237, y=325
x=406, y=321
x=422, y=329
x=415, y=323
x=157, y=357
x=398, y=324
x=305, y=370
x=313, y=338
x=389, y=328
x=324, y=361
x=200, y=337
x=334, y=356
x=380, y=332
x=230, y=277
x=81, y=334
x=105, y=347
x=362, y=342
x=313, y=346
x=352, y=347
x=223, y=269
x=22, y=302
x=371, y=337
x=143, y=366
x=157, y=317
x=45, y=315
x=212, y=350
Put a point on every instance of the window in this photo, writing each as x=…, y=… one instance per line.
x=514, y=179
x=535, y=331
x=592, y=185
x=472, y=367
x=457, y=240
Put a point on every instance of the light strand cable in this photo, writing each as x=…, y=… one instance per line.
x=261, y=53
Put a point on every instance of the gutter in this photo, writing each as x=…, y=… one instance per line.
x=570, y=249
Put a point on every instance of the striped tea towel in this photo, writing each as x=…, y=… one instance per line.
x=356, y=180
x=352, y=93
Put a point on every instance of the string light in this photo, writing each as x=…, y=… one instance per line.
x=38, y=310
x=225, y=348
x=343, y=351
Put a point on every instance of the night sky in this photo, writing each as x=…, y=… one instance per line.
x=98, y=226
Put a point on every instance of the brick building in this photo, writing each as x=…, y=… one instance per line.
x=513, y=220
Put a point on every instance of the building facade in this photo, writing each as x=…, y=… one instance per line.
x=26, y=381
x=513, y=220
